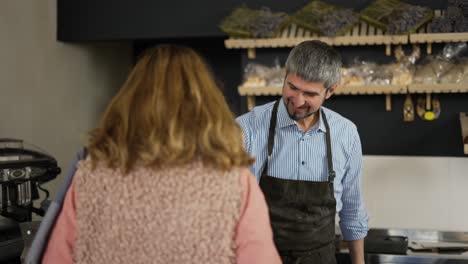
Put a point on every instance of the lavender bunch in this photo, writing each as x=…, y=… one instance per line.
x=405, y=19
x=266, y=23
x=455, y=20
x=335, y=21
x=441, y=25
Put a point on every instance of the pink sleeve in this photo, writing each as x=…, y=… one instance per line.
x=62, y=238
x=254, y=237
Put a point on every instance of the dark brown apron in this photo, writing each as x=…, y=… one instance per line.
x=302, y=213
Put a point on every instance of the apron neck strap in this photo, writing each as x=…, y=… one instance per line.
x=331, y=171
x=271, y=132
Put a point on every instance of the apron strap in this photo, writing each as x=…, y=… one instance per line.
x=271, y=139
x=271, y=135
x=331, y=171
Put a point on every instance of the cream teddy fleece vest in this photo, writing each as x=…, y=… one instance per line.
x=176, y=215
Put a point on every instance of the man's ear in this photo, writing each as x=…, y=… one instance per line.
x=330, y=91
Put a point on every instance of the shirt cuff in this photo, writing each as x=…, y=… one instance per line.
x=354, y=232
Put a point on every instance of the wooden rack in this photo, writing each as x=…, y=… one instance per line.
x=438, y=88
x=362, y=34
x=464, y=128
x=425, y=36
x=342, y=90
x=386, y=90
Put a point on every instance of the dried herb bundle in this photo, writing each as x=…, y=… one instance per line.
x=244, y=23
x=406, y=19
x=396, y=17
x=325, y=19
x=455, y=19
x=441, y=25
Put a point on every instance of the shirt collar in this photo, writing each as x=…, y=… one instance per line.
x=284, y=120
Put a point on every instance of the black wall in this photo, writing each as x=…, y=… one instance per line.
x=194, y=24
x=80, y=20
x=225, y=63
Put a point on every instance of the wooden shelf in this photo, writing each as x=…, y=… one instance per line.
x=334, y=41
x=367, y=89
x=361, y=34
x=464, y=128
x=259, y=91
x=438, y=88
x=371, y=89
x=348, y=40
x=424, y=34
x=387, y=90
x=252, y=91
x=342, y=90
x=438, y=37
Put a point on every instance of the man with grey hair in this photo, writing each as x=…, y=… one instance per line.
x=308, y=161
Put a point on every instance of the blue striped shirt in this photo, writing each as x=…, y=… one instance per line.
x=303, y=156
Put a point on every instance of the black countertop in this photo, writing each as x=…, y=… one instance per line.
x=425, y=247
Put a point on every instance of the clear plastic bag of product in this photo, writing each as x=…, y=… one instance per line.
x=444, y=62
x=255, y=74
x=424, y=74
x=349, y=77
x=434, y=68
x=366, y=69
x=382, y=75
x=402, y=73
x=464, y=65
x=403, y=70
x=360, y=73
x=276, y=77
x=368, y=73
x=454, y=75
x=354, y=75
x=276, y=74
x=441, y=66
x=453, y=50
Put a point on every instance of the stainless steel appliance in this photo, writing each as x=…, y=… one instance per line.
x=424, y=247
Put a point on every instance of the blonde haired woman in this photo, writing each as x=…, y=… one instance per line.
x=166, y=178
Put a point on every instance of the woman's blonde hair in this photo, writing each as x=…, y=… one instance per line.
x=169, y=112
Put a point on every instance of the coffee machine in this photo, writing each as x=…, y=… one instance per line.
x=23, y=170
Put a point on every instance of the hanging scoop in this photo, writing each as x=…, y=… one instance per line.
x=428, y=109
x=429, y=114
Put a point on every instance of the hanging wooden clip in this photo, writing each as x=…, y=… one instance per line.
x=251, y=53
x=408, y=109
x=388, y=49
x=388, y=102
